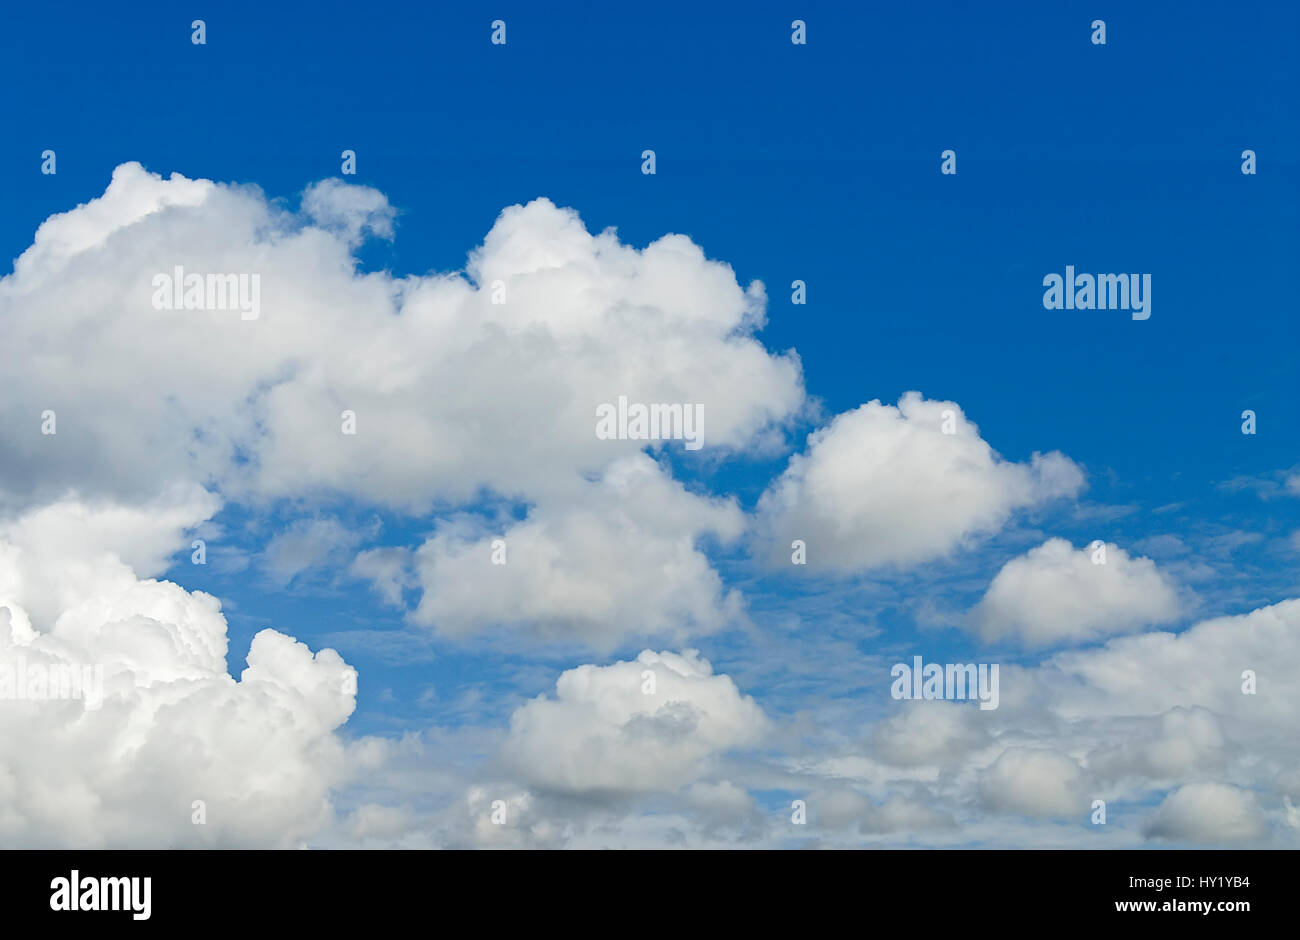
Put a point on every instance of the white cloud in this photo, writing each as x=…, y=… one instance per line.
x=453, y=394
x=1056, y=594
x=172, y=726
x=457, y=399
x=1150, y=673
x=885, y=485
x=1210, y=814
x=522, y=826
x=603, y=733
x=351, y=210
x=929, y=733
x=162, y=415
x=617, y=558
x=841, y=807
x=721, y=803
x=1035, y=782
x=1180, y=743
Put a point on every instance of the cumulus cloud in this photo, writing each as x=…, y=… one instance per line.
x=1180, y=743
x=54, y=551
x=886, y=485
x=1208, y=814
x=929, y=733
x=486, y=410
x=1150, y=673
x=1034, y=782
x=617, y=559
x=505, y=818
x=1057, y=594
x=605, y=732
x=721, y=803
x=453, y=394
x=842, y=807
x=157, y=722
x=355, y=211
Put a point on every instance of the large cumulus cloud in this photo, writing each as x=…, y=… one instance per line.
x=453, y=393
x=124, y=763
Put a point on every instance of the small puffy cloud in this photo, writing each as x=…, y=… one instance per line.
x=924, y=733
x=886, y=485
x=1057, y=594
x=653, y=724
x=1209, y=814
x=1034, y=782
x=618, y=558
x=353, y=210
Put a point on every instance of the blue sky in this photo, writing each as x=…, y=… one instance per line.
x=816, y=162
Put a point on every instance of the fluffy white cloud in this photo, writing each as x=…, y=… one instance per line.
x=1209, y=814
x=1057, y=594
x=155, y=722
x=617, y=559
x=929, y=733
x=1150, y=673
x=162, y=414
x=886, y=485
x=604, y=732
x=1180, y=743
x=721, y=803
x=1035, y=782
x=453, y=394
